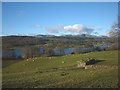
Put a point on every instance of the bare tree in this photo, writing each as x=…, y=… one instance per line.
x=115, y=32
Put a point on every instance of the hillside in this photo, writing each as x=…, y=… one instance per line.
x=45, y=72
x=13, y=42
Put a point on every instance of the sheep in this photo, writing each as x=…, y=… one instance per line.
x=63, y=62
x=35, y=57
x=50, y=57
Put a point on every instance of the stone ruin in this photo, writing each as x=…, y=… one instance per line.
x=82, y=63
x=90, y=61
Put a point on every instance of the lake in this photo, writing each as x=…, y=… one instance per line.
x=21, y=52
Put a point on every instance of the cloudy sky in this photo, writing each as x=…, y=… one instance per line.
x=58, y=18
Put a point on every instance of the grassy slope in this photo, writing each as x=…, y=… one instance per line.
x=37, y=74
x=6, y=63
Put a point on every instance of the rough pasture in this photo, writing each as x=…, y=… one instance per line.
x=46, y=72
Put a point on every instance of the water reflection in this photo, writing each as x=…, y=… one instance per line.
x=102, y=46
x=30, y=52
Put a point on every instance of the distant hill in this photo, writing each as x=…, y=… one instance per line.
x=69, y=35
x=84, y=35
x=51, y=41
x=40, y=35
x=21, y=41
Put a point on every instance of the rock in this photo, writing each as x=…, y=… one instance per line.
x=81, y=64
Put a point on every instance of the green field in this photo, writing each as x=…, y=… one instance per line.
x=50, y=72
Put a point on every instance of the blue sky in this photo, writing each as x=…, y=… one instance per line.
x=58, y=18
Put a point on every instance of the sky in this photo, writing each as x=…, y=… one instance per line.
x=58, y=18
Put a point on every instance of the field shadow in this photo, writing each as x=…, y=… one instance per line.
x=96, y=61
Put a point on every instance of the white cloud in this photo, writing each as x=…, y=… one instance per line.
x=99, y=28
x=79, y=28
x=37, y=26
x=91, y=26
x=20, y=13
x=107, y=33
x=55, y=29
x=72, y=29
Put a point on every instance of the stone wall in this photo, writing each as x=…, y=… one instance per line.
x=82, y=63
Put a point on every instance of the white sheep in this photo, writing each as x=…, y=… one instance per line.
x=63, y=62
x=50, y=57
